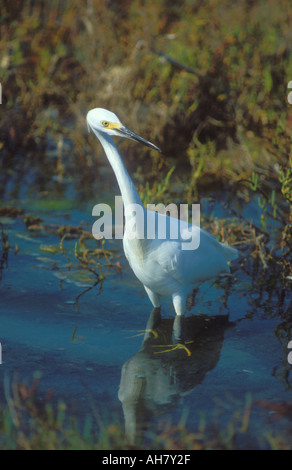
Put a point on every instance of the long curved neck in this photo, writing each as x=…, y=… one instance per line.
x=126, y=185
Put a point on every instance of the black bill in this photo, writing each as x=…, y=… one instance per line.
x=131, y=135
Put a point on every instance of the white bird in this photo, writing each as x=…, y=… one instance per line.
x=162, y=265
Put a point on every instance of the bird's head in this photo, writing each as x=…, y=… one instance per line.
x=101, y=120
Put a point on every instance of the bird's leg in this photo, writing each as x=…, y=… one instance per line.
x=154, y=298
x=155, y=316
x=179, y=303
x=178, y=337
x=178, y=330
x=152, y=323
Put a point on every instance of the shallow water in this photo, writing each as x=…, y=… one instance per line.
x=88, y=343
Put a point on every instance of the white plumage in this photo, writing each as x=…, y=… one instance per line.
x=161, y=265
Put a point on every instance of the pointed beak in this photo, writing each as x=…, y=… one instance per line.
x=124, y=132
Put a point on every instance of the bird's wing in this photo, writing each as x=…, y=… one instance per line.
x=193, y=257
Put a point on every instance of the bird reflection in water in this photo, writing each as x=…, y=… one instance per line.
x=153, y=383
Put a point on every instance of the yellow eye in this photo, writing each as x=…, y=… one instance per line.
x=105, y=123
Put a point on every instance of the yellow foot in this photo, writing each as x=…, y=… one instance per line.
x=142, y=332
x=173, y=347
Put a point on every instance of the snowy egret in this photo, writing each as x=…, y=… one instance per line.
x=162, y=265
